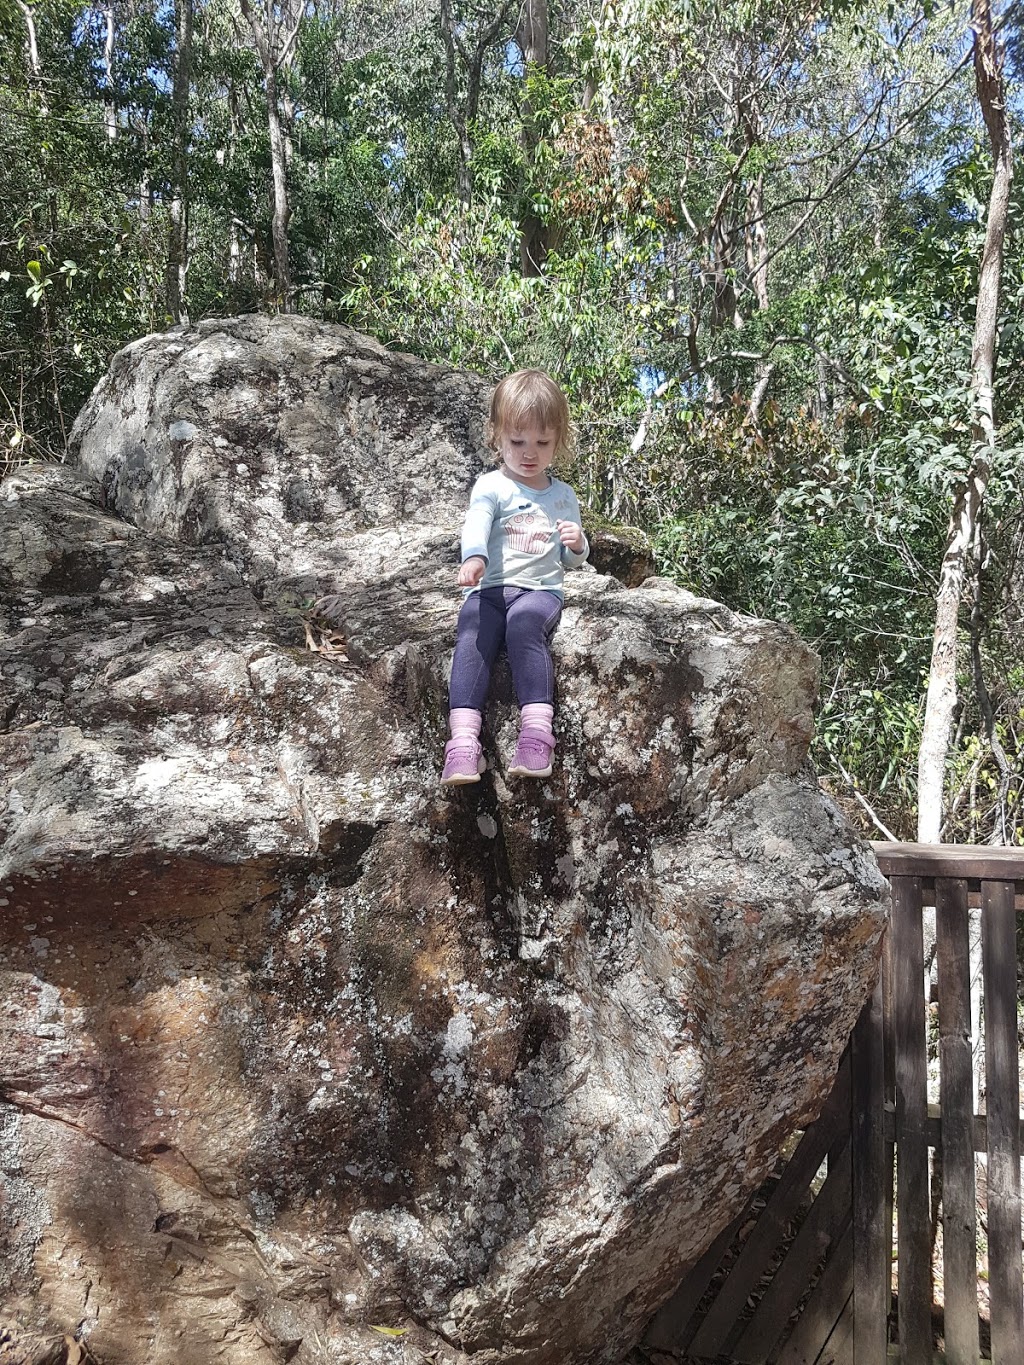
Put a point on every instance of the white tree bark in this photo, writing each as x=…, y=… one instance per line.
x=282, y=209
x=177, y=248
x=234, y=242
x=110, y=104
x=35, y=69
x=145, y=217
x=31, y=40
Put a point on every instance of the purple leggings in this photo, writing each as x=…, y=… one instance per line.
x=524, y=619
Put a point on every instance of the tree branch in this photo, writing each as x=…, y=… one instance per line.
x=866, y=804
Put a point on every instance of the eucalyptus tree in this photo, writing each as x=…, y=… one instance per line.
x=965, y=520
x=35, y=69
x=774, y=130
x=274, y=29
x=177, y=250
x=470, y=33
x=531, y=35
x=109, y=18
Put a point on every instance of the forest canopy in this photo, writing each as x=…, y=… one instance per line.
x=747, y=238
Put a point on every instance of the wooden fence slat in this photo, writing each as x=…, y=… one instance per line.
x=829, y=1299
x=872, y=1229
x=959, y=1244
x=724, y=1314
x=672, y=1327
x=823, y=1227
x=1002, y=1089
x=889, y=1050
x=914, y=1240
x=838, y=1350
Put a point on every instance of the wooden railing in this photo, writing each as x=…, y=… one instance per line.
x=891, y=1110
x=804, y=1276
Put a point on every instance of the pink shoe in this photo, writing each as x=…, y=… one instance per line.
x=533, y=755
x=463, y=762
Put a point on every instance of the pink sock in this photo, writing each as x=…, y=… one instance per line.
x=538, y=715
x=464, y=723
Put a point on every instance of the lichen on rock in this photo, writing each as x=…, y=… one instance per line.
x=297, y=1045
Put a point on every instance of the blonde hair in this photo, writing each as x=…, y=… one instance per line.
x=530, y=398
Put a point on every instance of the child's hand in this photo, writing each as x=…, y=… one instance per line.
x=471, y=571
x=570, y=533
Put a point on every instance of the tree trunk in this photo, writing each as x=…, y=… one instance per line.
x=35, y=70
x=963, y=525
x=145, y=216
x=274, y=50
x=757, y=242
x=532, y=37
x=31, y=41
x=110, y=103
x=177, y=252
x=463, y=114
x=234, y=244
x=282, y=212
x=720, y=231
x=759, y=391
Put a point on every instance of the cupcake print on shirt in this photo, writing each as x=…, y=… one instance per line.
x=528, y=532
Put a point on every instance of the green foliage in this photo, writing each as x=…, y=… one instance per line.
x=784, y=521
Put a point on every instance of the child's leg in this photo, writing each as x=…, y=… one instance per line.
x=529, y=625
x=479, y=636
x=480, y=632
x=464, y=723
x=538, y=716
x=530, y=622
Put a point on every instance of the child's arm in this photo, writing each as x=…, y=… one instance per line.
x=476, y=532
x=574, y=543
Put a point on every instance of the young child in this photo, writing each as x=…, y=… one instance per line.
x=521, y=532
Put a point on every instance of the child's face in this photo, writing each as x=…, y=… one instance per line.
x=527, y=453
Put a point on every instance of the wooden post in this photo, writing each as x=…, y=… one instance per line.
x=1002, y=1090
x=912, y=1204
x=959, y=1246
x=872, y=1229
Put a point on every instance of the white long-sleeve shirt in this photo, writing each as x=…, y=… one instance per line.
x=513, y=527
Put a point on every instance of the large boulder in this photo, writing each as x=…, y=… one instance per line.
x=303, y=1057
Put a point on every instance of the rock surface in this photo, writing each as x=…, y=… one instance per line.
x=296, y=1046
